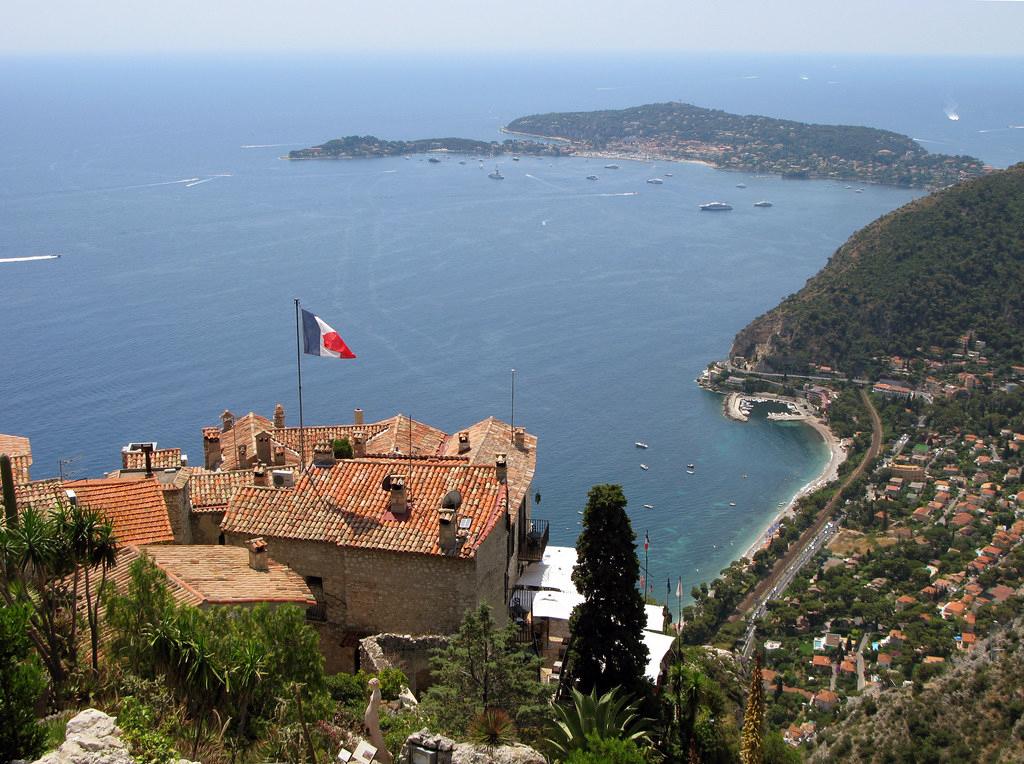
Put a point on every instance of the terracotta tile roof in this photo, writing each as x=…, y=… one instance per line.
x=289, y=436
x=490, y=437
x=135, y=507
x=162, y=458
x=39, y=494
x=20, y=451
x=243, y=432
x=220, y=575
x=345, y=505
x=120, y=576
x=396, y=434
x=210, y=491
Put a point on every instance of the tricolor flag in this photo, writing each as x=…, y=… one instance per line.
x=647, y=541
x=319, y=338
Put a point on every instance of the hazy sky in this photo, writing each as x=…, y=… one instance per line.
x=453, y=26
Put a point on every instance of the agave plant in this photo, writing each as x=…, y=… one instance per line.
x=492, y=727
x=611, y=715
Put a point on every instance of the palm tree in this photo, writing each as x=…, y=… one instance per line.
x=609, y=716
x=101, y=553
x=693, y=695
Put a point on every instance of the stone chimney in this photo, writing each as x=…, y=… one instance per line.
x=464, y=441
x=357, y=417
x=278, y=455
x=211, y=447
x=259, y=475
x=279, y=416
x=399, y=501
x=323, y=454
x=519, y=438
x=263, y=447
x=242, y=452
x=501, y=467
x=72, y=497
x=258, y=554
x=446, y=530
x=358, y=444
x=227, y=421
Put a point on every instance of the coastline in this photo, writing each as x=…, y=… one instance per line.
x=829, y=473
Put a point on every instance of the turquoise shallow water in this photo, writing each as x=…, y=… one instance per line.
x=173, y=298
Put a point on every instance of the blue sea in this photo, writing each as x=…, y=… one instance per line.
x=185, y=238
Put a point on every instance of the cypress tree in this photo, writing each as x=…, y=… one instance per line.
x=752, y=739
x=607, y=649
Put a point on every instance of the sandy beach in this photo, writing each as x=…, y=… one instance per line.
x=830, y=472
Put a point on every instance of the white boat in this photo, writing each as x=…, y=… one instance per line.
x=741, y=185
x=496, y=175
x=668, y=175
x=690, y=467
x=611, y=167
x=648, y=506
x=715, y=207
x=640, y=444
x=763, y=203
x=644, y=467
x=732, y=503
x=433, y=160
x=515, y=159
x=655, y=181
x=591, y=177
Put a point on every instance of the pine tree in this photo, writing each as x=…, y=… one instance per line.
x=752, y=739
x=607, y=627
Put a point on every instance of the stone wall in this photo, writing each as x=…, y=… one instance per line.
x=408, y=653
x=205, y=527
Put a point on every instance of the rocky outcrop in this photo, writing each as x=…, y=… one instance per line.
x=450, y=752
x=93, y=737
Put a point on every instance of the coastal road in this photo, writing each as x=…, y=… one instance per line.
x=811, y=540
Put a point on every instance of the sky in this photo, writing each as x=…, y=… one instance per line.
x=918, y=27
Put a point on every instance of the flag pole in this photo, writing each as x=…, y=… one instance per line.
x=513, y=404
x=298, y=367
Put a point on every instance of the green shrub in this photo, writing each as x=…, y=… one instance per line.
x=21, y=685
x=147, y=740
x=392, y=680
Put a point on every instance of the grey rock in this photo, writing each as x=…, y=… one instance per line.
x=92, y=737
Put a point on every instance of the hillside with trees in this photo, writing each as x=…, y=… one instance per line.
x=753, y=143
x=917, y=281
x=973, y=713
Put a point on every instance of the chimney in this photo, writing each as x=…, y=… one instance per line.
x=147, y=451
x=242, y=456
x=263, y=447
x=357, y=416
x=72, y=498
x=519, y=438
x=358, y=444
x=258, y=554
x=464, y=441
x=279, y=416
x=211, y=448
x=323, y=454
x=501, y=467
x=399, y=502
x=259, y=475
x=227, y=421
x=446, y=530
x=279, y=455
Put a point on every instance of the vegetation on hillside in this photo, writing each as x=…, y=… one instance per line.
x=369, y=146
x=754, y=143
x=941, y=268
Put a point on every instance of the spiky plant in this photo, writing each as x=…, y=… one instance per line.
x=611, y=715
x=752, y=739
x=492, y=727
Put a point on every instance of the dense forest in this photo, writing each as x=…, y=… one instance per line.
x=921, y=277
x=754, y=143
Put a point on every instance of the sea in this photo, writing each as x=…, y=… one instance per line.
x=185, y=238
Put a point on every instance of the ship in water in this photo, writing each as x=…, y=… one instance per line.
x=591, y=177
x=434, y=160
x=715, y=207
x=611, y=167
x=763, y=203
x=655, y=181
x=496, y=175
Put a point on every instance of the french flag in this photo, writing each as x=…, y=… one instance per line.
x=319, y=338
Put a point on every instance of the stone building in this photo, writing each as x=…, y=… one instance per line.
x=418, y=527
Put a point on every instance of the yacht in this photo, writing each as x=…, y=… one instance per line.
x=611, y=167
x=655, y=181
x=763, y=203
x=496, y=175
x=640, y=444
x=715, y=207
x=515, y=159
x=741, y=185
x=434, y=160
x=591, y=177
x=644, y=467
x=668, y=175
x=648, y=506
x=690, y=467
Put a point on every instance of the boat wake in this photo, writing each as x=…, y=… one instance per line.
x=28, y=259
x=624, y=193
x=267, y=145
x=950, y=110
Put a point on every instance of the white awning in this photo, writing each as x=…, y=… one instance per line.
x=658, y=646
x=554, y=571
x=555, y=605
x=655, y=618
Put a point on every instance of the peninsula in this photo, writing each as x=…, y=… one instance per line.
x=370, y=146
x=682, y=132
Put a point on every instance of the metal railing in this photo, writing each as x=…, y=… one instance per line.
x=317, y=612
x=534, y=541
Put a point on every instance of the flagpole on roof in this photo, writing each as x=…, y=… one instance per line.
x=513, y=423
x=298, y=367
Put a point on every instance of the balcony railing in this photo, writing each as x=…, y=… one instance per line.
x=317, y=612
x=534, y=542
x=520, y=607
